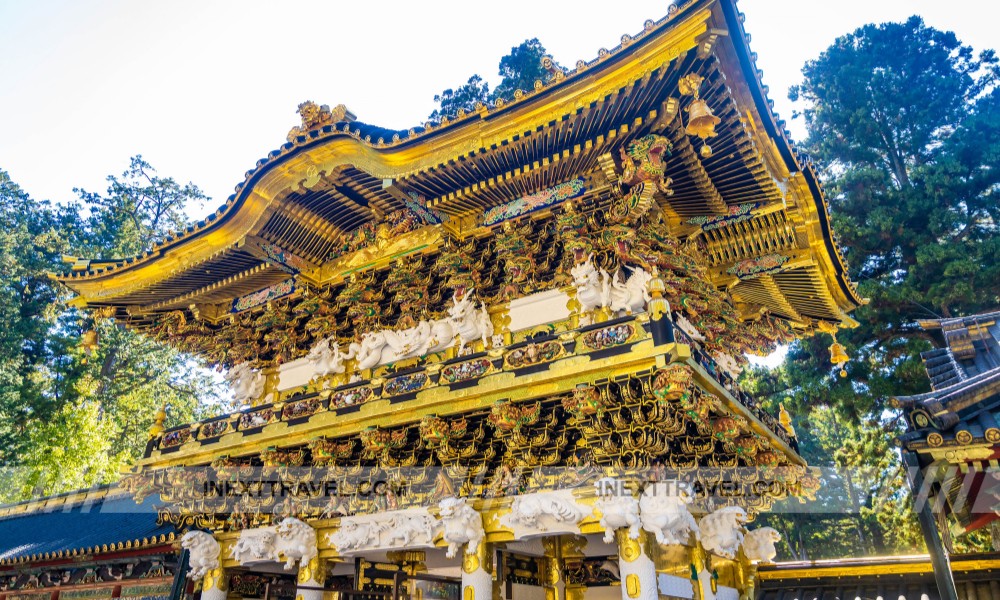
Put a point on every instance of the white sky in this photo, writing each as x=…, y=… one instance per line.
x=203, y=89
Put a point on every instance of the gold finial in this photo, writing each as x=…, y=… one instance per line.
x=786, y=421
x=658, y=305
x=157, y=429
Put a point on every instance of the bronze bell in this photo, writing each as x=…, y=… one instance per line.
x=89, y=341
x=837, y=353
x=701, y=121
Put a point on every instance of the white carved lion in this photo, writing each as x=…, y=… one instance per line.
x=618, y=510
x=631, y=295
x=247, y=383
x=593, y=286
x=663, y=510
x=462, y=525
x=405, y=528
x=722, y=531
x=254, y=545
x=758, y=544
x=528, y=510
x=353, y=535
x=295, y=541
x=326, y=358
x=203, y=552
x=469, y=323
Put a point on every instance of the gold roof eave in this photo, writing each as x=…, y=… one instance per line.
x=305, y=169
x=320, y=155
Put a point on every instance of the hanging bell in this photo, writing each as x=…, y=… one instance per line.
x=838, y=356
x=701, y=121
x=88, y=341
x=837, y=353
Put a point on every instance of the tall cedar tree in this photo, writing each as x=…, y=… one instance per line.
x=904, y=123
x=68, y=419
x=518, y=70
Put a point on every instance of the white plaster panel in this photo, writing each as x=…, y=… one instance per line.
x=293, y=374
x=538, y=309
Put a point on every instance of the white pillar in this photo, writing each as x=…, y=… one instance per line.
x=477, y=573
x=311, y=578
x=214, y=585
x=638, y=573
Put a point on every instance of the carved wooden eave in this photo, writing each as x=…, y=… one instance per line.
x=307, y=195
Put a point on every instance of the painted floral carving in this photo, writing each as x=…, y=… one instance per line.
x=533, y=202
x=755, y=267
x=464, y=371
x=256, y=418
x=350, y=397
x=213, y=429
x=533, y=354
x=608, y=337
x=175, y=437
x=405, y=384
x=301, y=408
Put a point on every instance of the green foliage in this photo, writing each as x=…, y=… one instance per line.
x=904, y=123
x=138, y=210
x=465, y=97
x=69, y=419
x=518, y=70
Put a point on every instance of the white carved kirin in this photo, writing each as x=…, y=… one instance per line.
x=388, y=345
x=722, y=531
x=247, y=383
x=294, y=541
x=595, y=288
x=619, y=509
x=326, y=358
x=203, y=552
x=462, y=525
x=544, y=511
x=470, y=323
x=758, y=544
x=663, y=509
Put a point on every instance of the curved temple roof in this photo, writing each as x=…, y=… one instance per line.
x=753, y=199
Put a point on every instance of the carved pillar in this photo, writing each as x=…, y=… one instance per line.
x=573, y=552
x=214, y=585
x=552, y=569
x=638, y=573
x=701, y=578
x=312, y=576
x=477, y=573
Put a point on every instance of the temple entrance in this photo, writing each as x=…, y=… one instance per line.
x=262, y=586
x=403, y=575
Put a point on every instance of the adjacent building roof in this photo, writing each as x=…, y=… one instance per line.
x=95, y=521
x=955, y=428
x=889, y=577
